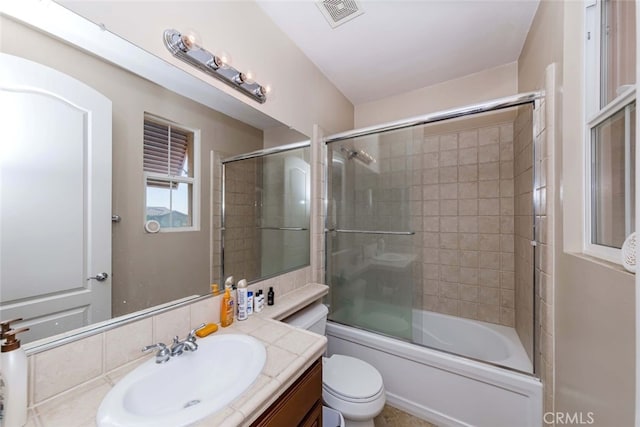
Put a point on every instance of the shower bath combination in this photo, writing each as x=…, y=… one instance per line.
x=450, y=300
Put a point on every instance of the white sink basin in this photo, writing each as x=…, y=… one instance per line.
x=188, y=387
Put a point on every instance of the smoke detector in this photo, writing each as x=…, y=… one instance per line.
x=337, y=12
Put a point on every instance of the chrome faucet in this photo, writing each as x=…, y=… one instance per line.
x=163, y=355
x=177, y=348
x=189, y=344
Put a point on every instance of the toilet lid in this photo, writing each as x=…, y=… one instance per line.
x=350, y=377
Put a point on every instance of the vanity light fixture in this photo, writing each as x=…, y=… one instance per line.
x=186, y=48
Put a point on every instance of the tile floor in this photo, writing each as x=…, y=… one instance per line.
x=393, y=417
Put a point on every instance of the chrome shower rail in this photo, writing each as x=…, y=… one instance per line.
x=393, y=233
x=283, y=228
x=267, y=151
x=485, y=107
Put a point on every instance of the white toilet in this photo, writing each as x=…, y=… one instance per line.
x=349, y=385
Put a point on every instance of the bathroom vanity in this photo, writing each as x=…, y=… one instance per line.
x=287, y=391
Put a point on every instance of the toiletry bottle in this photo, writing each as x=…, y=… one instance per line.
x=271, y=296
x=13, y=364
x=261, y=299
x=230, y=283
x=257, y=301
x=215, y=290
x=5, y=327
x=242, y=300
x=249, y=303
x=226, y=308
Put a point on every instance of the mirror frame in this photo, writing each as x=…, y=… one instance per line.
x=55, y=20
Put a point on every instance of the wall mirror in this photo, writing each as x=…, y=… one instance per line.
x=92, y=159
x=266, y=217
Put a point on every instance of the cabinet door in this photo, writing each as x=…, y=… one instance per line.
x=298, y=405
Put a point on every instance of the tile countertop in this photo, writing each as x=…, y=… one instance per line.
x=290, y=352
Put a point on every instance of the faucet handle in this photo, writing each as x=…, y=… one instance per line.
x=159, y=346
x=192, y=334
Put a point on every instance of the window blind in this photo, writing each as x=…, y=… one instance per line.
x=166, y=149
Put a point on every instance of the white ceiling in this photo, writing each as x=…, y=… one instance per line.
x=398, y=45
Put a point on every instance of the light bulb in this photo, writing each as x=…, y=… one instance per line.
x=249, y=77
x=190, y=39
x=225, y=59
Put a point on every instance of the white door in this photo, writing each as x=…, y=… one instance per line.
x=55, y=199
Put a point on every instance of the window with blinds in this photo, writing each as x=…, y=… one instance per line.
x=168, y=164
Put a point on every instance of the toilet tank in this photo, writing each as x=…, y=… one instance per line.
x=312, y=318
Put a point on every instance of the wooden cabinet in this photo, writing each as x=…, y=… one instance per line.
x=300, y=405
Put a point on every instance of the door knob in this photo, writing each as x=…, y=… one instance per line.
x=100, y=277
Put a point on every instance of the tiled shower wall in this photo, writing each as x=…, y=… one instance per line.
x=523, y=149
x=467, y=208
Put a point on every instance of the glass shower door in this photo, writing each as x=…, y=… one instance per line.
x=372, y=253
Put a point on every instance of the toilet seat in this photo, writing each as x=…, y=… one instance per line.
x=351, y=379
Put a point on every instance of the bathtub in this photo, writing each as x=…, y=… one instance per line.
x=443, y=388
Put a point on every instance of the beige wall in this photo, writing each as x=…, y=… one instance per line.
x=302, y=96
x=589, y=305
x=488, y=84
x=147, y=269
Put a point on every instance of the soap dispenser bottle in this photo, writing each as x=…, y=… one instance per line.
x=13, y=365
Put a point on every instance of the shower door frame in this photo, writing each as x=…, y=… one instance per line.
x=534, y=98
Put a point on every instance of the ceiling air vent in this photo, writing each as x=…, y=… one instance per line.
x=337, y=12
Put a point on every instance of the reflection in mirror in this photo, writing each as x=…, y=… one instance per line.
x=51, y=259
x=267, y=199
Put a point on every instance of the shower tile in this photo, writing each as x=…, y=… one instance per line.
x=506, y=132
x=430, y=240
x=449, y=142
x=467, y=173
x=489, y=206
x=468, y=207
x=431, y=207
x=448, y=158
x=506, y=188
x=468, y=224
x=507, y=317
x=489, y=313
x=489, y=171
x=430, y=255
x=469, y=258
x=468, y=190
x=449, y=257
x=488, y=136
x=430, y=287
x=431, y=271
x=430, y=176
x=507, y=298
x=489, y=242
x=448, y=207
x=507, y=262
x=430, y=160
x=431, y=223
x=468, y=309
x=431, y=303
x=506, y=243
x=507, y=280
x=506, y=151
x=489, y=224
x=489, y=278
x=490, y=260
x=447, y=174
x=468, y=156
x=488, y=189
x=489, y=153
x=449, y=240
x=468, y=241
x=506, y=206
x=450, y=273
x=448, y=306
x=448, y=290
x=468, y=292
x=431, y=192
x=449, y=224
x=431, y=144
x=468, y=276
x=489, y=296
x=468, y=139
x=506, y=170
x=448, y=191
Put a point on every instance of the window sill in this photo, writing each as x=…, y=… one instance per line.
x=608, y=264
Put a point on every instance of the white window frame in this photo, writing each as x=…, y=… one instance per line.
x=194, y=181
x=594, y=116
